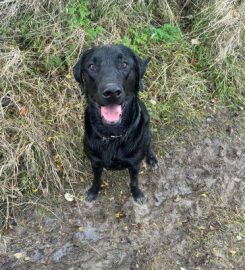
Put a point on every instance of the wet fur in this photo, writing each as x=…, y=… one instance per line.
x=125, y=145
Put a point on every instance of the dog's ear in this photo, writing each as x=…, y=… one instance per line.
x=77, y=72
x=77, y=69
x=142, y=64
x=141, y=68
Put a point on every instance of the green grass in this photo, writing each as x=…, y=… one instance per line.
x=41, y=123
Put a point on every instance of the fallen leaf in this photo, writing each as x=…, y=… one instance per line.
x=213, y=100
x=18, y=255
x=69, y=197
x=119, y=215
x=34, y=190
x=204, y=195
x=153, y=101
x=23, y=111
x=68, y=76
x=58, y=163
x=49, y=139
x=195, y=41
x=239, y=237
x=104, y=184
x=198, y=254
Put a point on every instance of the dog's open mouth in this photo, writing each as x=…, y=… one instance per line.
x=111, y=114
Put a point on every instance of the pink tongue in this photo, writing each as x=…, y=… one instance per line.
x=111, y=113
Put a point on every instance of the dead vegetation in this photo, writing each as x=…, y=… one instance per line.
x=197, y=63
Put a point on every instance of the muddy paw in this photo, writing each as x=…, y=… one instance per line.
x=141, y=200
x=152, y=160
x=139, y=197
x=90, y=196
x=155, y=165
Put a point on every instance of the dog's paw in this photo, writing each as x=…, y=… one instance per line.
x=141, y=200
x=151, y=159
x=91, y=196
x=139, y=196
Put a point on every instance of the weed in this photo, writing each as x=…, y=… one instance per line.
x=143, y=37
x=78, y=15
x=54, y=61
x=166, y=33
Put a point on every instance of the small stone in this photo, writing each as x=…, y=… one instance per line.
x=209, y=119
x=36, y=255
x=63, y=251
x=18, y=255
x=88, y=233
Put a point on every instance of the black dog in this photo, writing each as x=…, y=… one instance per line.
x=117, y=134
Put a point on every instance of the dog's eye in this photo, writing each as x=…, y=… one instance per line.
x=123, y=65
x=92, y=67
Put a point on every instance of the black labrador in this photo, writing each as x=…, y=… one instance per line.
x=117, y=134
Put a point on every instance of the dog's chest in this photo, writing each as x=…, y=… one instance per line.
x=112, y=154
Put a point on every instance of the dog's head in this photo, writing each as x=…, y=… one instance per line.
x=110, y=76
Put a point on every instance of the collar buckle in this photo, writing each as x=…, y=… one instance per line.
x=111, y=137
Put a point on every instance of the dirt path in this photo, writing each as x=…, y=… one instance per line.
x=193, y=219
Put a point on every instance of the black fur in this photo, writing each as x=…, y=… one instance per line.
x=121, y=145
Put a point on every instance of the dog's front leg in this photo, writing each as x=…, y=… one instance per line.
x=94, y=190
x=138, y=195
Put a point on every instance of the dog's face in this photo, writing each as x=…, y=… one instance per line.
x=110, y=76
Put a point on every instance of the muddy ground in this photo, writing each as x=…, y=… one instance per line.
x=193, y=218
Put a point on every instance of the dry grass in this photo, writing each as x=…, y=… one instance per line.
x=226, y=23
x=41, y=107
x=220, y=27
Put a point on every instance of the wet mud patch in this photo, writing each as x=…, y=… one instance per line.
x=193, y=218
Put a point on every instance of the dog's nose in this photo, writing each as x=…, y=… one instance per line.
x=112, y=90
